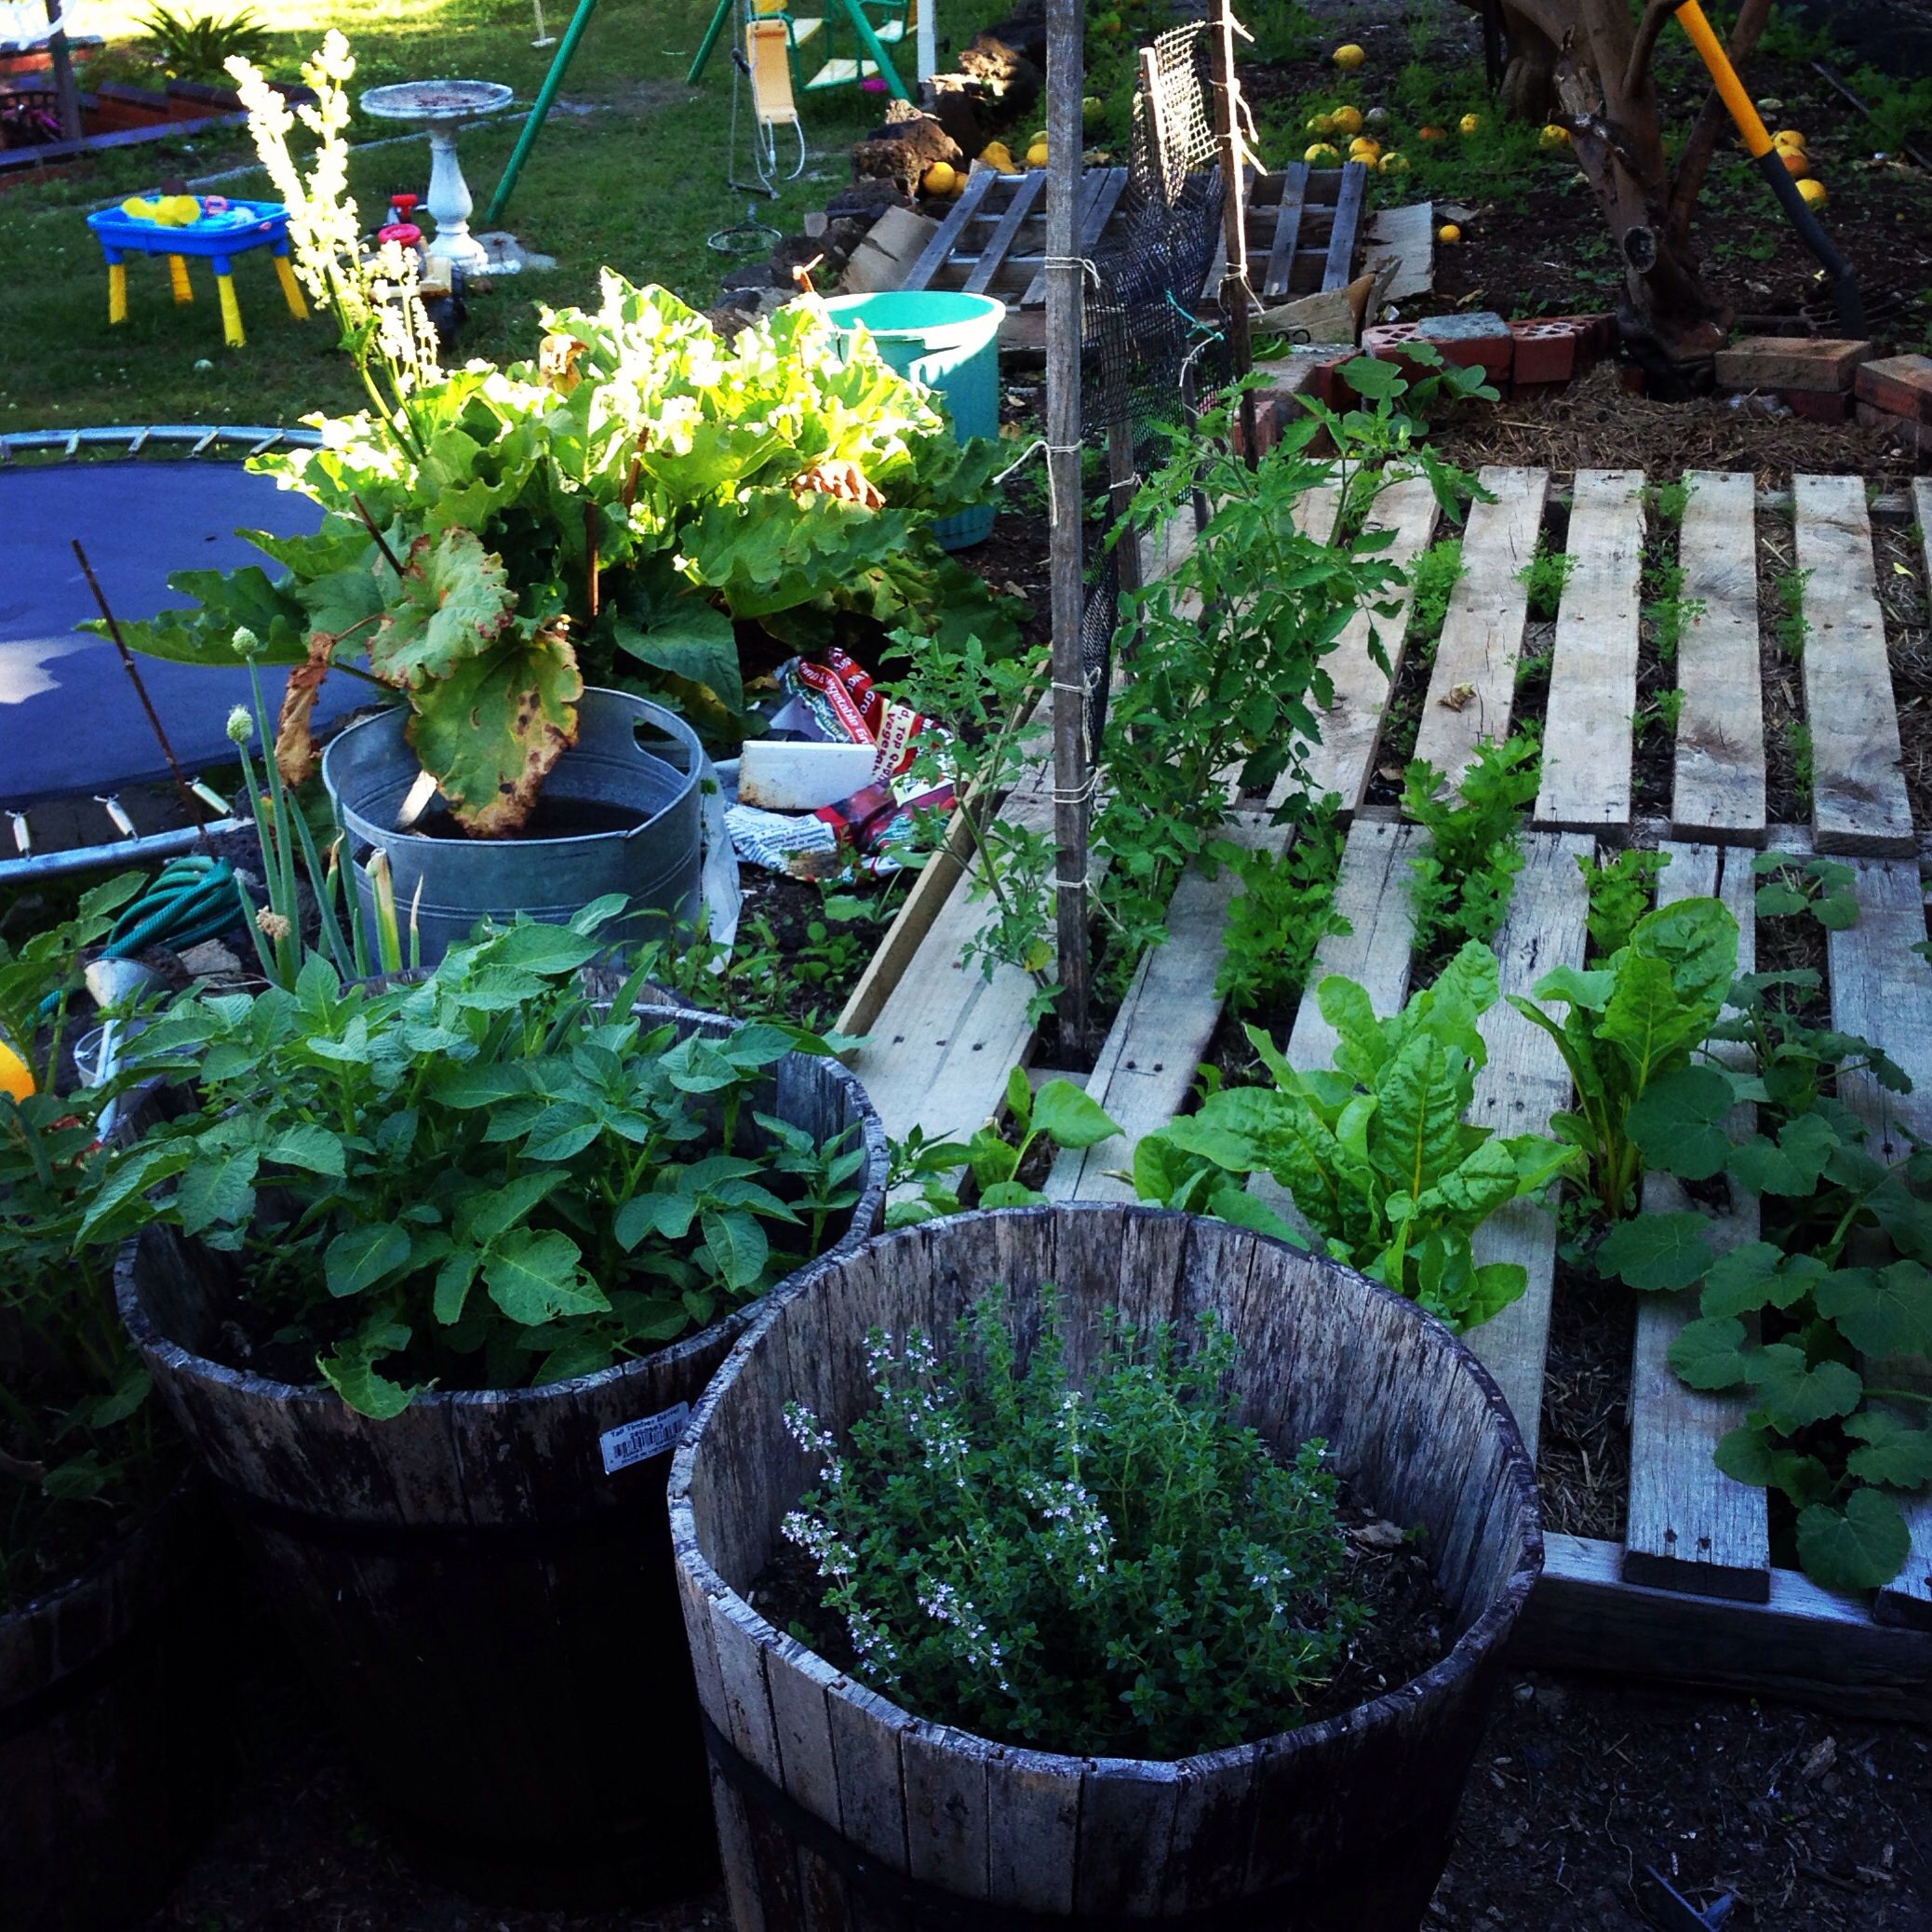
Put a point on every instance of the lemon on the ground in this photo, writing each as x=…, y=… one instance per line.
x=16, y=1076
x=1470, y=123
x=1348, y=56
x=1364, y=149
x=1322, y=153
x=1448, y=234
x=1320, y=124
x=996, y=155
x=1393, y=162
x=1347, y=120
x=1092, y=112
x=1813, y=192
x=1553, y=137
x=1036, y=155
x=1795, y=164
x=1788, y=138
x=938, y=179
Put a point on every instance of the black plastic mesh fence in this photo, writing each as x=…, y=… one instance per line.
x=1142, y=351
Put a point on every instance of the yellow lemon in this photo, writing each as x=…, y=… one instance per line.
x=1470, y=123
x=1788, y=138
x=1553, y=138
x=1448, y=234
x=1349, y=57
x=1813, y=192
x=16, y=1076
x=1321, y=153
x=1393, y=163
x=1795, y=165
x=1346, y=120
x=938, y=179
x=1320, y=124
x=1363, y=149
x=1036, y=155
x=996, y=155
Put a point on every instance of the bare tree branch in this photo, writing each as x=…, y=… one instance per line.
x=1713, y=117
x=1656, y=17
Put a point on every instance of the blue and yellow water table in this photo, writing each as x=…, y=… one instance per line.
x=209, y=225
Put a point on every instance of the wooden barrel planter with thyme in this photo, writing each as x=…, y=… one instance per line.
x=838, y=1807
x=481, y=1583
x=109, y=1765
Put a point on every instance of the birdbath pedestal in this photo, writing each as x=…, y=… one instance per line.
x=440, y=106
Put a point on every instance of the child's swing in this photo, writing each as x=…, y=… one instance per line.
x=764, y=62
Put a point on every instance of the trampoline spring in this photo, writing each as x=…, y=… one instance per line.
x=140, y=442
x=118, y=812
x=72, y=449
x=267, y=443
x=203, y=444
x=23, y=834
x=5, y=450
x=208, y=795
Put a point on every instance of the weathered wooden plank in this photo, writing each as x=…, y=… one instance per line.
x=1218, y=264
x=1689, y=1526
x=1859, y=798
x=1472, y=687
x=993, y=252
x=1100, y=194
x=1719, y=786
x=1281, y=255
x=1525, y=1082
x=1587, y=745
x=1161, y=1031
x=1805, y=1645
x=1881, y=990
x=1339, y=268
x=966, y=209
x=1351, y=727
x=946, y=1035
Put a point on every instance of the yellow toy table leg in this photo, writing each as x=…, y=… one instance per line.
x=178, y=278
x=291, y=290
x=231, y=312
x=116, y=291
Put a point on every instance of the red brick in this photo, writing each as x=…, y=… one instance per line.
x=1818, y=405
x=1546, y=351
x=1900, y=385
x=1911, y=438
x=1784, y=362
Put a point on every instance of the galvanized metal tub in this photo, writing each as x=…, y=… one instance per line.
x=632, y=759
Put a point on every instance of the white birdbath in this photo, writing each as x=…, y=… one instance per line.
x=440, y=106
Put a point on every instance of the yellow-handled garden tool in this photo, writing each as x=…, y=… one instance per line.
x=1770, y=164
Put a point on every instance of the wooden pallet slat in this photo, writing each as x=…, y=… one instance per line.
x=1718, y=790
x=1472, y=687
x=1352, y=726
x=979, y=185
x=993, y=253
x=1882, y=991
x=1858, y=797
x=1523, y=1083
x=1100, y=194
x=1340, y=267
x=1587, y=741
x=1281, y=255
x=1689, y=1526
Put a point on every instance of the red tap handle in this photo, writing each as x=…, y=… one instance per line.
x=403, y=204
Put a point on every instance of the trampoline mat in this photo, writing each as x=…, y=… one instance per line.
x=70, y=719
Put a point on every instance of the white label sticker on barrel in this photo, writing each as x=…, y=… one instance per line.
x=639, y=1442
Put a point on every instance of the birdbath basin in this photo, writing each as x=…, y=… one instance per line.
x=440, y=105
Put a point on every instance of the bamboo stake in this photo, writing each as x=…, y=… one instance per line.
x=1236, y=298
x=1066, y=20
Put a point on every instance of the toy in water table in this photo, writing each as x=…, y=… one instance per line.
x=178, y=225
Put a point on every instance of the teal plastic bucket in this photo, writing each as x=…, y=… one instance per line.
x=951, y=344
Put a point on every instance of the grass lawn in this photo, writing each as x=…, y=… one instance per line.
x=630, y=170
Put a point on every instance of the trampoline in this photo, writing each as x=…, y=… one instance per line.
x=71, y=723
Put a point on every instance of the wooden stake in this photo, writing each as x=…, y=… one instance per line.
x=1066, y=20
x=1236, y=299
x=66, y=89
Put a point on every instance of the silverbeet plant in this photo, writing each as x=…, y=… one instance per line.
x=1117, y=1568
x=482, y=1179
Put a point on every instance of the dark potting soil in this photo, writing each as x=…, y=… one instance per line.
x=1382, y=1570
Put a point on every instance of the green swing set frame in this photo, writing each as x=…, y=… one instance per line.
x=869, y=41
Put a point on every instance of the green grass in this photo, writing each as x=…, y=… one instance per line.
x=637, y=180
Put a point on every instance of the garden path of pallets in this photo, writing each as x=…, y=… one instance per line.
x=1692, y=1592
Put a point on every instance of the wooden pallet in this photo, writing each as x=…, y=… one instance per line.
x=1304, y=227
x=1691, y=1592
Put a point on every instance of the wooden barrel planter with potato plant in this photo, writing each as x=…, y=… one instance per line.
x=837, y=1806
x=480, y=1581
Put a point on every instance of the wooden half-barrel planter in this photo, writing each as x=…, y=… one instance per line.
x=481, y=1585
x=836, y=1807
x=110, y=1757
